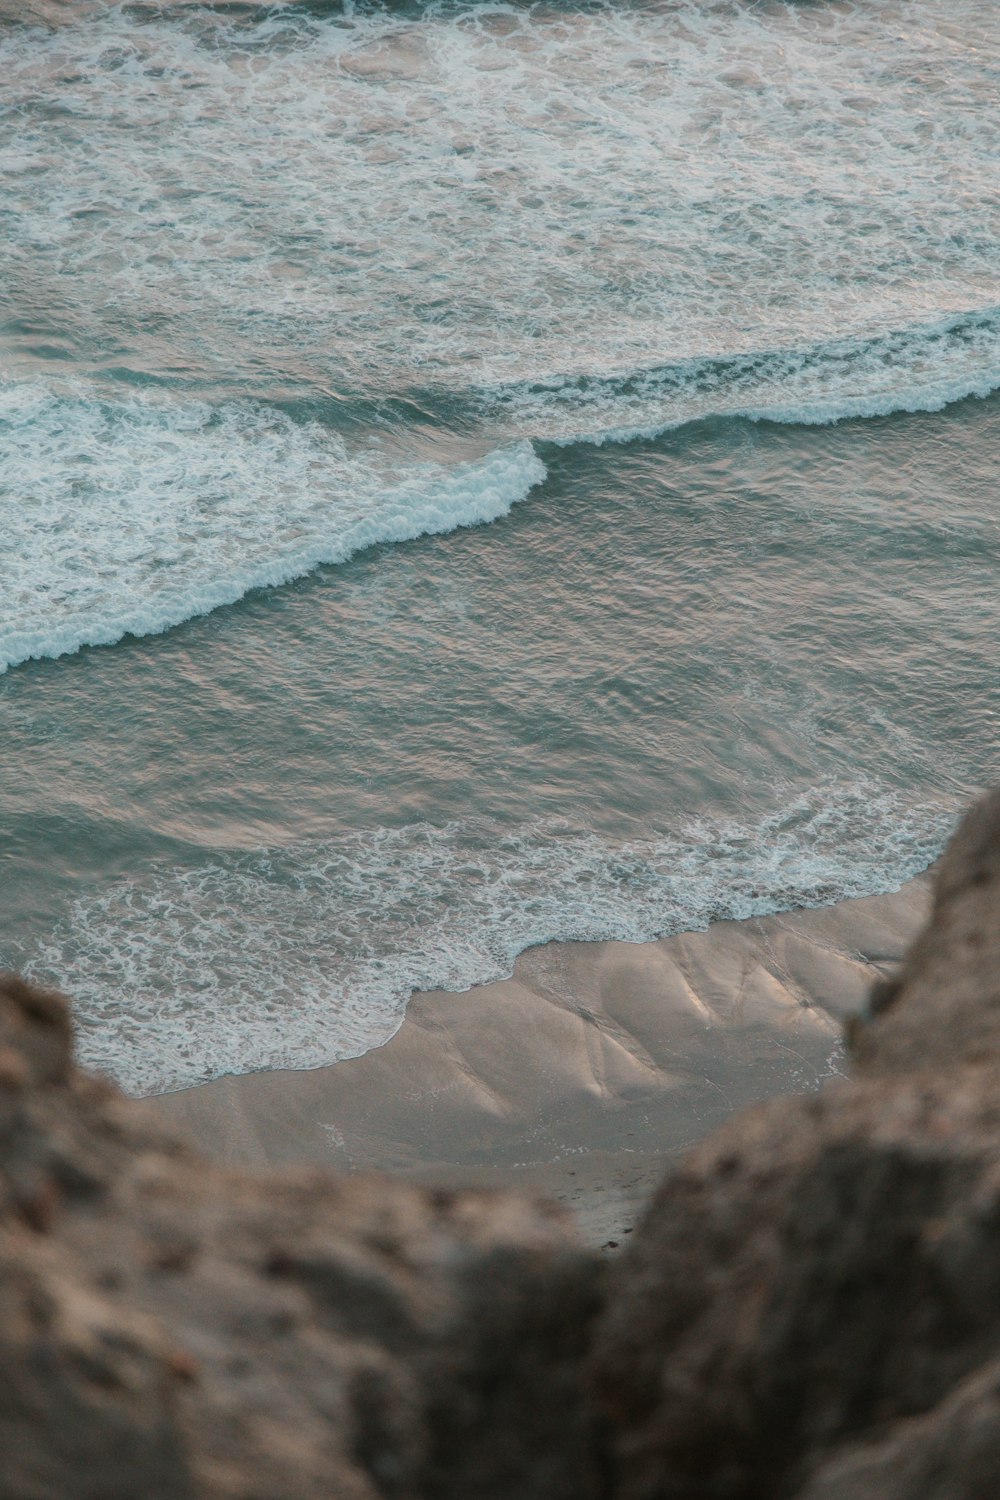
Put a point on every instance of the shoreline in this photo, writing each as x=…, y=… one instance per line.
x=582, y=1074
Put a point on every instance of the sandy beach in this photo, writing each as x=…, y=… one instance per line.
x=582, y=1073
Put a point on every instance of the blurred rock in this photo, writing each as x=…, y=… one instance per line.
x=950, y=1454
x=806, y=1306
x=809, y=1311
x=943, y=1008
x=168, y=1329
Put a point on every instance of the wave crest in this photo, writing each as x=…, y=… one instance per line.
x=921, y=368
x=131, y=517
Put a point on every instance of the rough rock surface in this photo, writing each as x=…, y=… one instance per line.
x=810, y=1310
x=168, y=1329
x=812, y=1305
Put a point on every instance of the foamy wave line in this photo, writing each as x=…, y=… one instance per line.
x=132, y=517
x=297, y=957
x=923, y=368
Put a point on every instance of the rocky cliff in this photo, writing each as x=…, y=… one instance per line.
x=168, y=1329
x=812, y=1306
x=810, y=1309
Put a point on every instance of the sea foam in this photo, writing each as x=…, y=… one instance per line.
x=132, y=516
x=298, y=956
x=923, y=367
x=570, y=223
x=490, y=194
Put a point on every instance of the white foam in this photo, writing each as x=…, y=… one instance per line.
x=920, y=369
x=496, y=195
x=296, y=957
x=591, y=224
x=133, y=516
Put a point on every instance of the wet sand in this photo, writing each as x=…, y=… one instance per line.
x=583, y=1073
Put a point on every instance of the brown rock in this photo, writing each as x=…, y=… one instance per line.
x=953, y=1453
x=943, y=1009
x=813, y=1290
x=86, y=1406
x=35, y=1030
x=168, y=1329
x=809, y=1311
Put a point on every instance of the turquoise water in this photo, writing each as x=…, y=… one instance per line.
x=475, y=475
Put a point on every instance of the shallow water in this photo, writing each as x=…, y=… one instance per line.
x=683, y=300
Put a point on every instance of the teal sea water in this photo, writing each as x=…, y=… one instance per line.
x=473, y=474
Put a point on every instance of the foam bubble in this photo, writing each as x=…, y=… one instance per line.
x=923, y=368
x=495, y=194
x=133, y=516
x=296, y=957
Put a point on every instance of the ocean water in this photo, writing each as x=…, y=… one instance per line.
x=473, y=474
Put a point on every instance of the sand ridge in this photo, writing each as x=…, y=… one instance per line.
x=582, y=1072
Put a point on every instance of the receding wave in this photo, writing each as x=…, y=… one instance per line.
x=131, y=517
x=298, y=956
x=922, y=368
